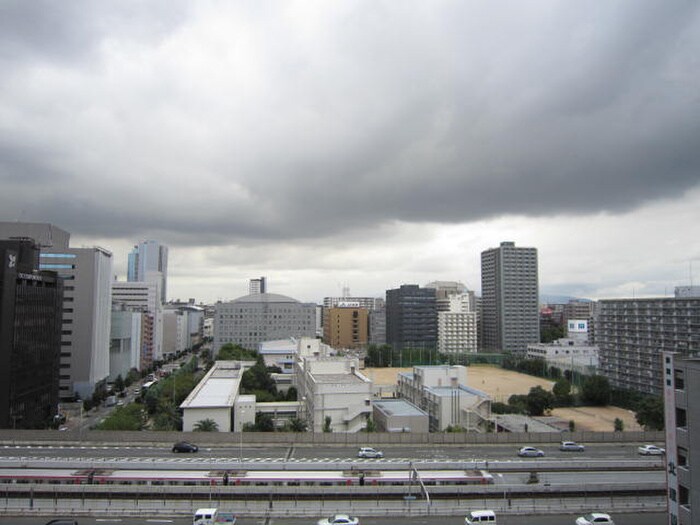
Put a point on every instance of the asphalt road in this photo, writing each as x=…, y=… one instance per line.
x=652, y=518
x=392, y=453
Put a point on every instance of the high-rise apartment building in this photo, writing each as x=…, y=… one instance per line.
x=411, y=317
x=257, y=285
x=148, y=262
x=682, y=421
x=509, y=298
x=632, y=333
x=456, y=325
x=87, y=273
x=30, y=337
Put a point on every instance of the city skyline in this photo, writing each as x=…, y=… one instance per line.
x=364, y=145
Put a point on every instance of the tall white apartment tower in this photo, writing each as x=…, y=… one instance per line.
x=148, y=262
x=256, y=286
x=509, y=298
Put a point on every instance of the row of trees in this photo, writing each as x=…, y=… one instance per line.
x=594, y=391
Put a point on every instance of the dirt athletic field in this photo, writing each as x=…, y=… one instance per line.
x=500, y=384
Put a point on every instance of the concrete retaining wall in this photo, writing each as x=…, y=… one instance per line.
x=12, y=437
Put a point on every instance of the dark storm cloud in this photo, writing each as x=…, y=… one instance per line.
x=232, y=123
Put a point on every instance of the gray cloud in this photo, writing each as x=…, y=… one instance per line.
x=226, y=124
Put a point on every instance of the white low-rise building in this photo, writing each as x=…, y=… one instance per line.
x=442, y=392
x=216, y=397
x=333, y=387
x=566, y=354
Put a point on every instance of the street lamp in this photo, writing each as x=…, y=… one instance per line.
x=240, y=430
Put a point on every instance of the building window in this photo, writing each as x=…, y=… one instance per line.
x=681, y=418
x=679, y=379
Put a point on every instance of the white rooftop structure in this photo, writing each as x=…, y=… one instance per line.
x=215, y=395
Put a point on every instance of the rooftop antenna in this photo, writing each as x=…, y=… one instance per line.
x=690, y=268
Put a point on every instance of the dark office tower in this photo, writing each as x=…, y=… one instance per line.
x=509, y=299
x=411, y=317
x=30, y=337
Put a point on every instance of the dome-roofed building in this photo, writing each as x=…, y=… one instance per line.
x=254, y=318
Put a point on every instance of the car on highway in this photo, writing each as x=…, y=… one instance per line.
x=571, y=446
x=339, y=519
x=184, y=446
x=477, y=517
x=651, y=450
x=530, y=452
x=595, y=518
x=369, y=452
x=62, y=521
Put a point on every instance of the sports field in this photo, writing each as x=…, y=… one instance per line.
x=500, y=384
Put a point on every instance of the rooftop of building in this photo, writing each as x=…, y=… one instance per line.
x=219, y=387
x=447, y=391
x=520, y=423
x=337, y=378
x=265, y=298
x=398, y=407
x=278, y=346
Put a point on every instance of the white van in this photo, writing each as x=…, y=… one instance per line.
x=205, y=517
x=480, y=516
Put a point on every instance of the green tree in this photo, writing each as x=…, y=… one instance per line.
x=129, y=417
x=327, y=424
x=552, y=333
x=538, y=400
x=206, y=425
x=371, y=425
x=562, y=393
x=292, y=394
x=264, y=422
x=619, y=425
x=518, y=404
x=296, y=425
x=572, y=425
x=650, y=413
x=595, y=390
x=258, y=378
x=231, y=352
x=119, y=383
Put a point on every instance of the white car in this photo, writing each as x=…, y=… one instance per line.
x=530, y=452
x=651, y=450
x=369, y=452
x=597, y=518
x=571, y=446
x=339, y=519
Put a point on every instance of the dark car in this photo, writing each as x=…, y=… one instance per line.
x=184, y=446
x=62, y=521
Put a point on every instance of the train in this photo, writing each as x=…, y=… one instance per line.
x=99, y=476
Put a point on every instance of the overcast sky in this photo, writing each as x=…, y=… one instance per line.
x=361, y=144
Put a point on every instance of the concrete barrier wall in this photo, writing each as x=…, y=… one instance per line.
x=318, y=508
x=12, y=437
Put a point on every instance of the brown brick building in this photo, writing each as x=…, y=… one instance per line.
x=346, y=327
